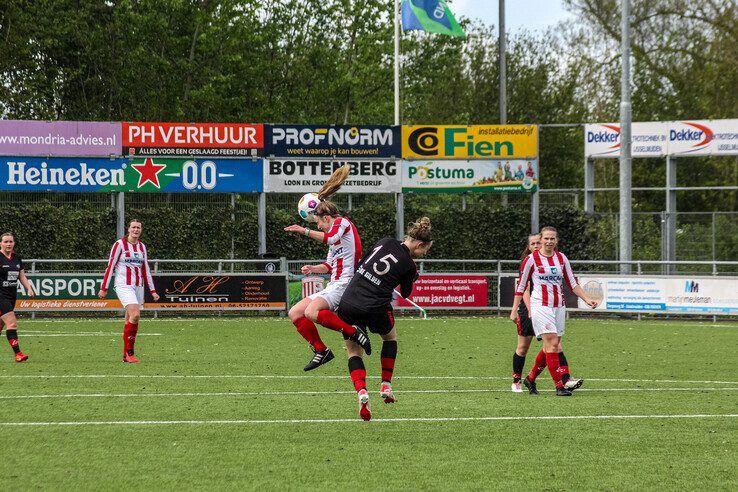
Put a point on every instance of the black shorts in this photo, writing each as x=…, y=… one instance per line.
x=6, y=306
x=379, y=322
x=525, y=326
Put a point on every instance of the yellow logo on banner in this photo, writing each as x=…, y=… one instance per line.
x=470, y=142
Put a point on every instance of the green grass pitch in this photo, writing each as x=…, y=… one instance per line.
x=224, y=404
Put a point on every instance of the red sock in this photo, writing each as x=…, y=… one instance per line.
x=538, y=366
x=552, y=361
x=309, y=332
x=329, y=319
x=357, y=373
x=129, y=337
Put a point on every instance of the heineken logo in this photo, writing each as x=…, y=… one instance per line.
x=21, y=173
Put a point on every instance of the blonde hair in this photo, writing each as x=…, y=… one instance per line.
x=420, y=230
x=7, y=234
x=334, y=183
x=549, y=228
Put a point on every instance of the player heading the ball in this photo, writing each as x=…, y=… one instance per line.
x=344, y=250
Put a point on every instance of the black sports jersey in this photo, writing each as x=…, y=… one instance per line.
x=9, y=271
x=384, y=266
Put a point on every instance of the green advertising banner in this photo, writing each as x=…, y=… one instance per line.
x=481, y=176
x=65, y=292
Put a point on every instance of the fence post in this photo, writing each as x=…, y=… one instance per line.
x=262, y=223
x=121, y=211
x=400, y=224
x=671, y=208
x=284, y=267
x=589, y=181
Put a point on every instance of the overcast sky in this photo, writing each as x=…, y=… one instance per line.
x=534, y=15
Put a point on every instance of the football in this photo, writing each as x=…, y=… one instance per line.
x=307, y=205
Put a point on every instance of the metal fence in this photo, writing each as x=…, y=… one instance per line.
x=700, y=236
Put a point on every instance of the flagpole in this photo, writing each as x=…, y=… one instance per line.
x=397, y=62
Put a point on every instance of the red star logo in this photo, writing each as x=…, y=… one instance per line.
x=148, y=172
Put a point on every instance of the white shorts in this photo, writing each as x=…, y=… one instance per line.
x=130, y=294
x=547, y=319
x=332, y=293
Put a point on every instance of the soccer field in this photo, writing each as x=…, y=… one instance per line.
x=224, y=403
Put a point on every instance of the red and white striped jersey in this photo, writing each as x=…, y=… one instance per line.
x=344, y=250
x=130, y=264
x=548, y=274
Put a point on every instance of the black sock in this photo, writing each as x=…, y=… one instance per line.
x=389, y=354
x=563, y=363
x=518, y=365
x=13, y=340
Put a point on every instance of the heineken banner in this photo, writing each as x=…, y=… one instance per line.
x=470, y=142
x=78, y=292
x=209, y=291
x=343, y=142
x=302, y=175
x=454, y=176
x=59, y=138
x=150, y=174
x=193, y=139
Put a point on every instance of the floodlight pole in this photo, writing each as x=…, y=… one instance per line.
x=503, y=76
x=626, y=222
x=399, y=197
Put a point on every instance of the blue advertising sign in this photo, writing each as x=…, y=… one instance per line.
x=345, y=142
x=143, y=174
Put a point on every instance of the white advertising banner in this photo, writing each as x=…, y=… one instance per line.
x=647, y=139
x=707, y=137
x=306, y=175
x=695, y=295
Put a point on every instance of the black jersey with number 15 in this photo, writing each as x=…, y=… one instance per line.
x=385, y=266
x=9, y=271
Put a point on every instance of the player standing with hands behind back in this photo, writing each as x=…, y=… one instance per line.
x=129, y=261
x=367, y=302
x=548, y=270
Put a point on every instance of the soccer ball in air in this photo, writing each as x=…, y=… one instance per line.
x=307, y=205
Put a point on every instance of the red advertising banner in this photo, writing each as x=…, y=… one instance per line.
x=448, y=291
x=192, y=139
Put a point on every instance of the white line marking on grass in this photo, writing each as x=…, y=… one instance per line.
x=351, y=421
x=316, y=393
x=83, y=334
x=296, y=376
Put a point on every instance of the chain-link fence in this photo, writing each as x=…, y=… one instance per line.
x=700, y=236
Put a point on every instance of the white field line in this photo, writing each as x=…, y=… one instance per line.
x=309, y=377
x=89, y=334
x=351, y=421
x=316, y=393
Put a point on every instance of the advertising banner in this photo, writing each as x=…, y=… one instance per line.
x=59, y=138
x=647, y=139
x=65, y=292
x=452, y=176
x=710, y=137
x=448, y=291
x=193, y=139
x=148, y=175
x=343, y=142
x=300, y=176
x=78, y=292
x=241, y=291
x=696, y=295
x=507, y=292
x=470, y=142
